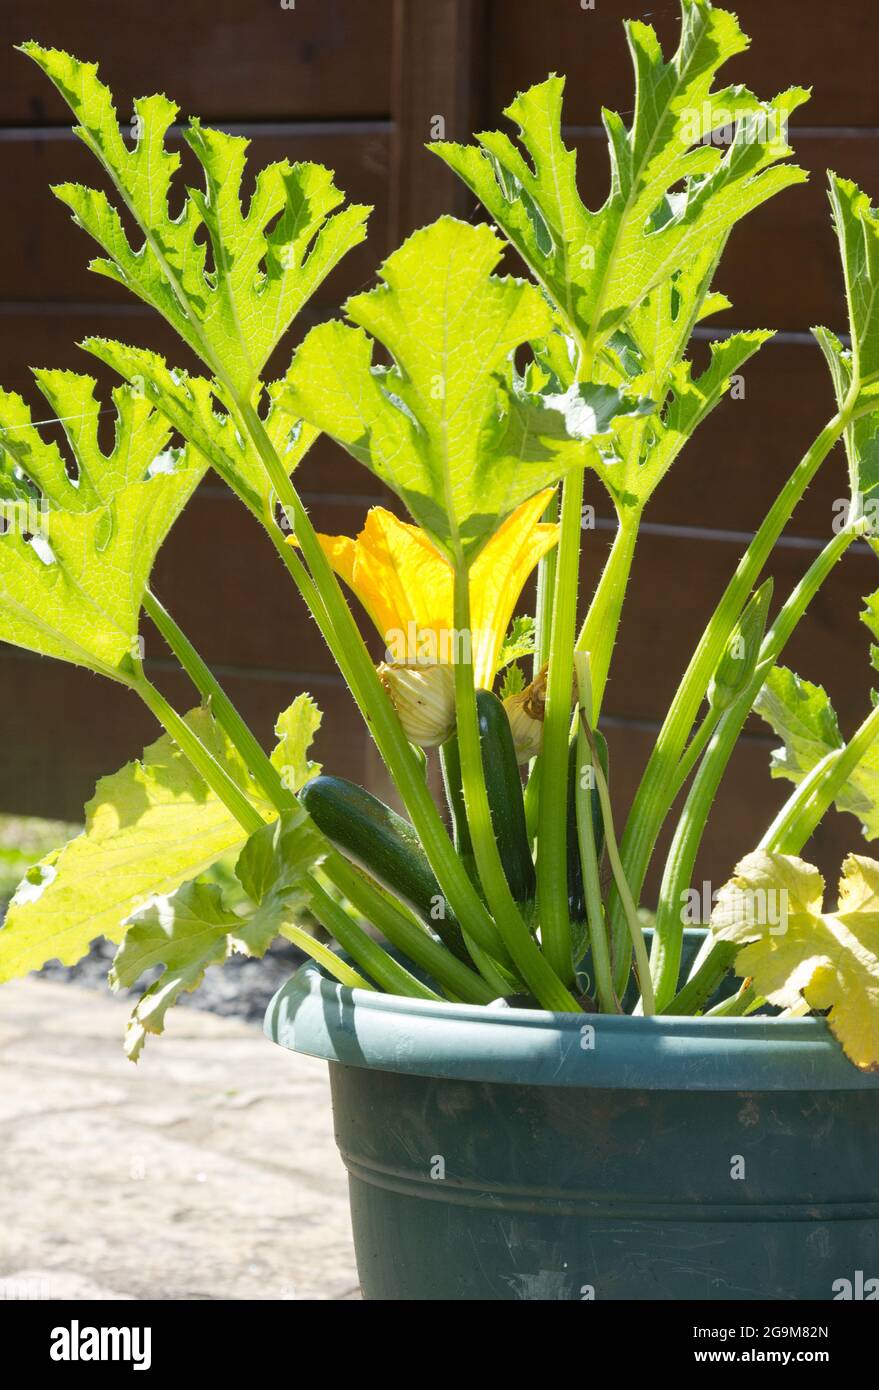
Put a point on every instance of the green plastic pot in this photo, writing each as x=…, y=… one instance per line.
x=498, y=1153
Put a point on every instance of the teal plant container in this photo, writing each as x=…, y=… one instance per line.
x=498, y=1153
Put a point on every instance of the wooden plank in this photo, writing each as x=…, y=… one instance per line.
x=792, y=44
x=217, y=58
x=435, y=95
x=44, y=257
x=63, y=728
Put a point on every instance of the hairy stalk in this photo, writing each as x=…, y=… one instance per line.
x=668, y=933
x=652, y=800
x=202, y=759
x=592, y=884
x=391, y=976
x=263, y=771
x=534, y=969
x=598, y=634
x=696, y=747
x=552, y=844
x=738, y=1005
x=705, y=978
x=333, y=964
x=546, y=578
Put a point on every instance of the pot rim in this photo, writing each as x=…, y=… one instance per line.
x=314, y=1014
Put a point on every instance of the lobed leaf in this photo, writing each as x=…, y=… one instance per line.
x=194, y=406
x=448, y=426
x=793, y=949
x=72, y=582
x=670, y=190
x=229, y=279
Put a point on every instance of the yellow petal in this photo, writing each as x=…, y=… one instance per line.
x=406, y=585
x=498, y=578
x=400, y=578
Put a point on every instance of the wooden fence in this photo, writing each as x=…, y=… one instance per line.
x=357, y=86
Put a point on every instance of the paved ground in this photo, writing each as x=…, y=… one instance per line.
x=207, y=1171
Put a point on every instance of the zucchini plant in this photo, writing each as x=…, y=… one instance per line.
x=483, y=402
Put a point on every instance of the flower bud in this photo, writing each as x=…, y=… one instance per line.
x=738, y=662
x=525, y=712
x=424, y=698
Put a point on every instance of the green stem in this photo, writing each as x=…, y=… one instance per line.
x=633, y=924
x=668, y=933
x=258, y=762
x=801, y=814
x=546, y=578
x=696, y=747
x=333, y=964
x=592, y=884
x=598, y=634
x=403, y=932
x=202, y=760
x=714, y=967
x=391, y=976
x=737, y=1005
x=532, y=966
x=652, y=800
x=552, y=845
x=531, y=799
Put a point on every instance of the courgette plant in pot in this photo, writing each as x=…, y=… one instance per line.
x=536, y=1096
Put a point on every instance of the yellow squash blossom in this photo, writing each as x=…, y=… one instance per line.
x=405, y=584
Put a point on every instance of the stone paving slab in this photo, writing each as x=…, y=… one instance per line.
x=207, y=1171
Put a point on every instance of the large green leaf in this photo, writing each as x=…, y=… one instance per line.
x=448, y=426
x=265, y=262
x=854, y=369
x=671, y=189
x=150, y=827
x=773, y=909
x=73, y=588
